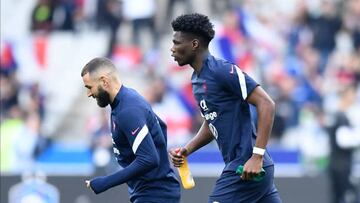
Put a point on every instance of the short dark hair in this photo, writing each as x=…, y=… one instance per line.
x=196, y=24
x=95, y=64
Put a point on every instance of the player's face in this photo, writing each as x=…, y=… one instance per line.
x=96, y=91
x=182, y=49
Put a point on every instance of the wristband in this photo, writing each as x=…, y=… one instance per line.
x=259, y=151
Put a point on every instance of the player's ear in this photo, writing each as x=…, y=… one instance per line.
x=195, y=44
x=104, y=81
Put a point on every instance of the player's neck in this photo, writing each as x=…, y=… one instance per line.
x=199, y=59
x=115, y=91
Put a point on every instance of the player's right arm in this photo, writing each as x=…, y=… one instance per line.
x=202, y=138
x=132, y=123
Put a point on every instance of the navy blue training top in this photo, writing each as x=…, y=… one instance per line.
x=221, y=89
x=140, y=147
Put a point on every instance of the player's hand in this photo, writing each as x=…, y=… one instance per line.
x=177, y=156
x=252, y=167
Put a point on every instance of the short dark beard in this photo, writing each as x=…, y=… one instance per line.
x=103, y=97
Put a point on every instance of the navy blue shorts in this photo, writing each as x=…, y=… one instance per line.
x=230, y=188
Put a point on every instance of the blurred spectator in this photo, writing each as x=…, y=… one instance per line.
x=231, y=40
x=170, y=7
x=101, y=132
x=8, y=95
x=299, y=34
x=282, y=87
x=156, y=90
x=8, y=80
x=352, y=22
x=141, y=14
x=20, y=133
x=344, y=132
x=286, y=113
x=219, y=7
x=66, y=13
x=324, y=29
x=33, y=101
x=163, y=99
x=170, y=10
x=29, y=136
x=42, y=16
x=8, y=64
x=10, y=128
x=109, y=16
x=36, y=100
x=101, y=142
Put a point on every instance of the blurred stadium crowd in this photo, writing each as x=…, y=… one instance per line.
x=306, y=54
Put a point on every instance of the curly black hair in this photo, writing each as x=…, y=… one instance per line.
x=196, y=24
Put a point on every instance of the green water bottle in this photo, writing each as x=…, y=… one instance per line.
x=258, y=177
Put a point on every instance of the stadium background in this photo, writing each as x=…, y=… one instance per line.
x=302, y=52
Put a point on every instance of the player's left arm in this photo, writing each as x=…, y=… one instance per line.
x=265, y=108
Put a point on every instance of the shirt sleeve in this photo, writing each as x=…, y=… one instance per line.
x=133, y=124
x=235, y=80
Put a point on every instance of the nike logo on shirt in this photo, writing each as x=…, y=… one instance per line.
x=134, y=131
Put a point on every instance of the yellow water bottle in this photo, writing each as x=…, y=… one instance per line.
x=187, y=179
